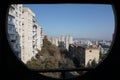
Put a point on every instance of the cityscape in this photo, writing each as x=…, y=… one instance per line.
x=38, y=49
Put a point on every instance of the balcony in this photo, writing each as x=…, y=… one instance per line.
x=34, y=20
x=11, y=32
x=13, y=6
x=12, y=37
x=34, y=33
x=11, y=23
x=34, y=42
x=12, y=13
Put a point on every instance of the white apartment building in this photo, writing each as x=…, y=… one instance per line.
x=27, y=34
x=54, y=41
x=15, y=28
x=91, y=54
x=37, y=38
x=84, y=55
x=61, y=41
x=69, y=40
x=32, y=35
x=62, y=38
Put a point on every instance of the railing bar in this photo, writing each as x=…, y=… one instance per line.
x=60, y=70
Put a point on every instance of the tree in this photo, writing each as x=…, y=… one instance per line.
x=51, y=62
x=93, y=63
x=69, y=63
x=88, y=64
x=34, y=64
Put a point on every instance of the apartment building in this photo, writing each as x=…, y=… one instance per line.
x=37, y=38
x=25, y=36
x=68, y=40
x=91, y=54
x=61, y=41
x=84, y=55
x=27, y=32
x=54, y=41
x=32, y=35
x=15, y=28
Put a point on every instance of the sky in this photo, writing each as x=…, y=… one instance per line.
x=94, y=21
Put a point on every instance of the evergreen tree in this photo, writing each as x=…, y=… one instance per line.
x=93, y=63
x=88, y=64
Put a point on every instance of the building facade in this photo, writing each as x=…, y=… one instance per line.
x=84, y=55
x=68, y=41
x=25, y=36
x=91, y=54
x=15, y=28
x=37, y=38
x=54, y=41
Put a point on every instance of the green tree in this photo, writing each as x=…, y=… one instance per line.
x=69, y=63
x=88, y=64
x=93, y=63
x=51, y=62
x=34, y=64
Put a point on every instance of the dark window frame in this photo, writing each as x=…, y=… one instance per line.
x=63, y=70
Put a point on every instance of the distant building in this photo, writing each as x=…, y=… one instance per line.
x=54, y=41
x=104, y=49
x=61, y=41
x=91, y=54
x=84, y=55
x=68, y=41
x=62, y=38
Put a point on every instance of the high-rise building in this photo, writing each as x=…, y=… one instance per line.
x=25, y=36
x=61, y=41
x=37, y=38
x=15, y=28
x=54, y=41
x=69, y=40
x=62, y=38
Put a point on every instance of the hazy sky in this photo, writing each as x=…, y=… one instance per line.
x=78, y=20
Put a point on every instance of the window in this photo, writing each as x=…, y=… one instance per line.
x=20, y=16
x=10, y=19
x=90, y=50
x=16, y=22
x=11, y=10
x=20, y=8
x=10, y=28
x=16, y=46
x=19, y=23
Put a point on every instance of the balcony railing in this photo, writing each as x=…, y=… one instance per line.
x=12, y=13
